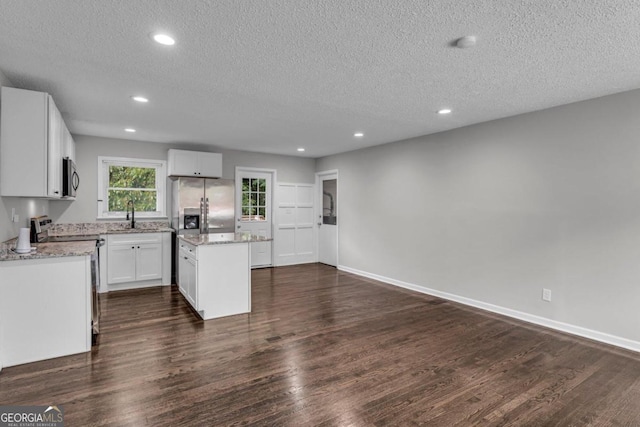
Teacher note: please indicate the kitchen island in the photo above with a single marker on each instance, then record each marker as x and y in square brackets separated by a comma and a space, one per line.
[45, 302]
[214, 272]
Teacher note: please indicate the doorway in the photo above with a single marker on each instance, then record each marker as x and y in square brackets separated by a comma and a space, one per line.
[254, 189]
[328, 218]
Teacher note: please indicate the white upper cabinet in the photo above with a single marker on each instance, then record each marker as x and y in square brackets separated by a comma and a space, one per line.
[32, 145]
[195, 164]
[68, 145]
[54, 154]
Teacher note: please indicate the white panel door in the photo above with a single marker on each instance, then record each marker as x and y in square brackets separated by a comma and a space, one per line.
[253, 210]
[327, 215]
[295, 229]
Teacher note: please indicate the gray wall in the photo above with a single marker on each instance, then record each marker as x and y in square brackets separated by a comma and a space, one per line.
[497, 211]
[88, 148]
[24, 208]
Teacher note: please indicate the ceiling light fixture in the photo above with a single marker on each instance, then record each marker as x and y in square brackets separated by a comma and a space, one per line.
[140, 99]
[164, 39]
[358, 134]
[301, 149]
[444, 111]
[130, 130]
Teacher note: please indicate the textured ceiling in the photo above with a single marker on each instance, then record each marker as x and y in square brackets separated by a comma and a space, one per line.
[274, 75]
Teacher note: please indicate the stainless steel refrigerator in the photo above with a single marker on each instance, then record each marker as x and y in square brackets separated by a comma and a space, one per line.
[203, 205]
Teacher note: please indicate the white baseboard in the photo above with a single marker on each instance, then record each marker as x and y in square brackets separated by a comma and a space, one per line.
[289, 263]
[530, 318]
[135, 285]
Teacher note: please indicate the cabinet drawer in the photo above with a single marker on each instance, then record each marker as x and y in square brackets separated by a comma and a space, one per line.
[133, 238]
[188, 248]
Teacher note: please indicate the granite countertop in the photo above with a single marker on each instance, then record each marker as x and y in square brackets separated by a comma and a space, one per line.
[118, 231]
[141, 230]
[117, 227]
[222, 238]
[51, 250]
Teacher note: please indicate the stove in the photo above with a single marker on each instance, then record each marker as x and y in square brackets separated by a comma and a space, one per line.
[40, 228]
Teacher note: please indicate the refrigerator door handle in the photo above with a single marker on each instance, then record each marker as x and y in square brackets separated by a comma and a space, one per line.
[203, 215]
[206, 209]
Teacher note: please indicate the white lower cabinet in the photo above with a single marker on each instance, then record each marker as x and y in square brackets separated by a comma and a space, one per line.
[137, 259]
[215, 279]
[187, 269]
[122, 264]
[148, 261]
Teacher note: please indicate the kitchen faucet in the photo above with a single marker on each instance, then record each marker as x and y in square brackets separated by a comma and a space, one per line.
[133, 213]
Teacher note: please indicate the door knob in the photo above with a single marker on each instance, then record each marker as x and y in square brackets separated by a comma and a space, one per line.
[319, 224]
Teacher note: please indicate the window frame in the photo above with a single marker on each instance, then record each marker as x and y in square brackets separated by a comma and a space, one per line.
[253, 217]
[103, 184]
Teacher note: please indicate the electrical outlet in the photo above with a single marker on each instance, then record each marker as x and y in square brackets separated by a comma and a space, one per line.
[16, 218]
[546, 294]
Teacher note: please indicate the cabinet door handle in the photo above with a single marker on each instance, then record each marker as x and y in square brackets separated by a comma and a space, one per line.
[133, 247]
[138, 247]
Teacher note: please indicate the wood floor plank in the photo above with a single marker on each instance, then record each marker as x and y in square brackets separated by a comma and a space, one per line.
[327, 348]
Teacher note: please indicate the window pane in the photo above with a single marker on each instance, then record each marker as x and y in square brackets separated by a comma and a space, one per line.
[261, 199]
[261, 214]
[329, 199]
[254, 184]
[246, 199]
[254, 199]
[246, 184]
[132, 177]
[143, 201]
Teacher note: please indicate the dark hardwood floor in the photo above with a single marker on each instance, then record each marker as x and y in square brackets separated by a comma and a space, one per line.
[326, 348]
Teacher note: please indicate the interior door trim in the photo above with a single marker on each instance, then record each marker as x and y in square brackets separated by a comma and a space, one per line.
[274, 183]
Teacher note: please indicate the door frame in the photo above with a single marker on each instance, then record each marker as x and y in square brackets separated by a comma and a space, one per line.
[318, 202]
[274, 180]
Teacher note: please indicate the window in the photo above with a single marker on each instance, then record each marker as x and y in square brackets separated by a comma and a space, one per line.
[123, 180]
[254, 199]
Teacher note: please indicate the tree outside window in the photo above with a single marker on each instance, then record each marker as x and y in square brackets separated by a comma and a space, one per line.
[141, 181]
[254, 199]
[137, 184]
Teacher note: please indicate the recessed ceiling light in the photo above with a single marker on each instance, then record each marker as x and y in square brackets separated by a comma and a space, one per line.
[164, 39]
[466, 42]
[300, 149]
[139, 99]
[444, 111]
[358, 134]
[131, 130]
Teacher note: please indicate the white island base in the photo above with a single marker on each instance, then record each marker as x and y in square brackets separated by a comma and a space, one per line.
[45, 308]
[214, 274]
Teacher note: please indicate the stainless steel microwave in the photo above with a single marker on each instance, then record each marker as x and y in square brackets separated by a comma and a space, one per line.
[70, 178]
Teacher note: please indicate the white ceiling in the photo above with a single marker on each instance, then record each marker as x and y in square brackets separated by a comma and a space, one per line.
[274, 75]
